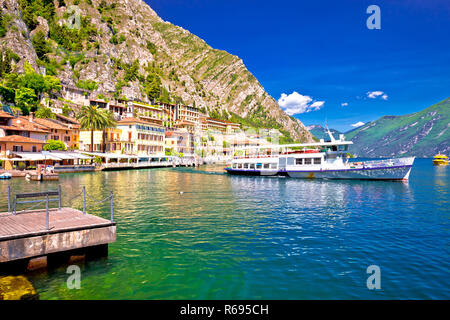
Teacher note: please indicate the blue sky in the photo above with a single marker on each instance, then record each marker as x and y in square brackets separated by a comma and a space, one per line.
[323, 51]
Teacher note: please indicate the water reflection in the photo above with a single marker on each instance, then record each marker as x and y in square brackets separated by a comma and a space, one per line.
[200, 234]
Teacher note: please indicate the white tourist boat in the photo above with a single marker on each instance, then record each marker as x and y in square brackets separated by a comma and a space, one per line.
[320, 160]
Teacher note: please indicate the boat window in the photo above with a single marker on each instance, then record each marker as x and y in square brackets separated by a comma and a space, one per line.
[273, 166]
[252, 166]
[317, 161]
[298, 161]
[290, 161]
[258, 165]
[234, 165]
[239, 165]
[245, 165]
[266, 165]
[307, 160]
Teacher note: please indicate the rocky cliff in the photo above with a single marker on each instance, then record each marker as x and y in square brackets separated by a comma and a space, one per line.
[122, 48]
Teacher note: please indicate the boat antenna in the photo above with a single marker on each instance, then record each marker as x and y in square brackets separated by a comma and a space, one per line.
[330, 134]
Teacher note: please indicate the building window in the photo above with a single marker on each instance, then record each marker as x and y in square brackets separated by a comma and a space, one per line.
[17, 148]
[34, 149]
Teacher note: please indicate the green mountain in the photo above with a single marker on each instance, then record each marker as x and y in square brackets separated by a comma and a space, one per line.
[320, 132]
[420, 134]
[122, 48]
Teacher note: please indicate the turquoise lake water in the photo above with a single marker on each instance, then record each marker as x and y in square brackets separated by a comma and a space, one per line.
[231, 237]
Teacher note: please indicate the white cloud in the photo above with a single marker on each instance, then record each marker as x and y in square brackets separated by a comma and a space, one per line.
[344, 104]
[358, 124]
[376, 94]
[296, 103]
[317, 105]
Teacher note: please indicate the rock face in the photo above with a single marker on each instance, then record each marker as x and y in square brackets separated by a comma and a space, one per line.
[420, 134]
[115, 36]
[17, 288]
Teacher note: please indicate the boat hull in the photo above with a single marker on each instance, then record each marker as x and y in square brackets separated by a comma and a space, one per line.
[258, 173]
[386, 173]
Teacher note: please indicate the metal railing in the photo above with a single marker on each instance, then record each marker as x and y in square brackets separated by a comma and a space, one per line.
[14, 201]
[387, 162]
[46, 194]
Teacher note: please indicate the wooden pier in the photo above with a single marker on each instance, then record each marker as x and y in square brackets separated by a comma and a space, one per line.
[25, 235]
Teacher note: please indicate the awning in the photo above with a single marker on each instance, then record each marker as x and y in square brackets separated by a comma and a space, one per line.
[82, 156]
[67, 155]
[35, 156]
[111, 155]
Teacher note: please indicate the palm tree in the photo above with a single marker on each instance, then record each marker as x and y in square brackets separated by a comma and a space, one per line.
[92, 118]
[109, 122]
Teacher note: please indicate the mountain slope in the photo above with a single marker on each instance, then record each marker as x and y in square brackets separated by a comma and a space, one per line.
[123, 48]
[421, 134]
[320, 132]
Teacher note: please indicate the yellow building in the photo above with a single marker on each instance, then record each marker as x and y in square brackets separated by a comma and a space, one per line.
[104, 141]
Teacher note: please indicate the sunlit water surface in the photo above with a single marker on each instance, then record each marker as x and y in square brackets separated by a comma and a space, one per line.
[230, 237]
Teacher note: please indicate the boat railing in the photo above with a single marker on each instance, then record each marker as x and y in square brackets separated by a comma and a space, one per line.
[384, 163]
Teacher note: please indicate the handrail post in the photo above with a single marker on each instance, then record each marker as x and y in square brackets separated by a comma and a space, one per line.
[9, 199]
[47, 213]
[112, 207]
[84, 200]
[59, 197]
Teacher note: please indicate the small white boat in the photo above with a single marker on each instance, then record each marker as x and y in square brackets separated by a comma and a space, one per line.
[321, 160]
[5, 176]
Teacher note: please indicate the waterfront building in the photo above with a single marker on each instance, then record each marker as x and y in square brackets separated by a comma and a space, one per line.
[65, 132]
[22, 126]
[141, 137]
[109, 140]
[12, 145]
[183, 141]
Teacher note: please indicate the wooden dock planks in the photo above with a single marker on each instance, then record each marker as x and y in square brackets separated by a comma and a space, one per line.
[24, 235]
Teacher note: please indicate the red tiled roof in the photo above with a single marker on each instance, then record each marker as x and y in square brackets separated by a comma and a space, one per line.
[51, 124]
[4, 114]
[131, 120]
[69, 119]
[23, 124]
[16, 138]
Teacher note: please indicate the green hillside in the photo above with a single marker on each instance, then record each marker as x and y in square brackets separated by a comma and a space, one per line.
[320, 132]
[420, 134]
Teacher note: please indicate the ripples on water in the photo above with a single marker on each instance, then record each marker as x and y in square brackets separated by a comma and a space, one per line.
[230, 237]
